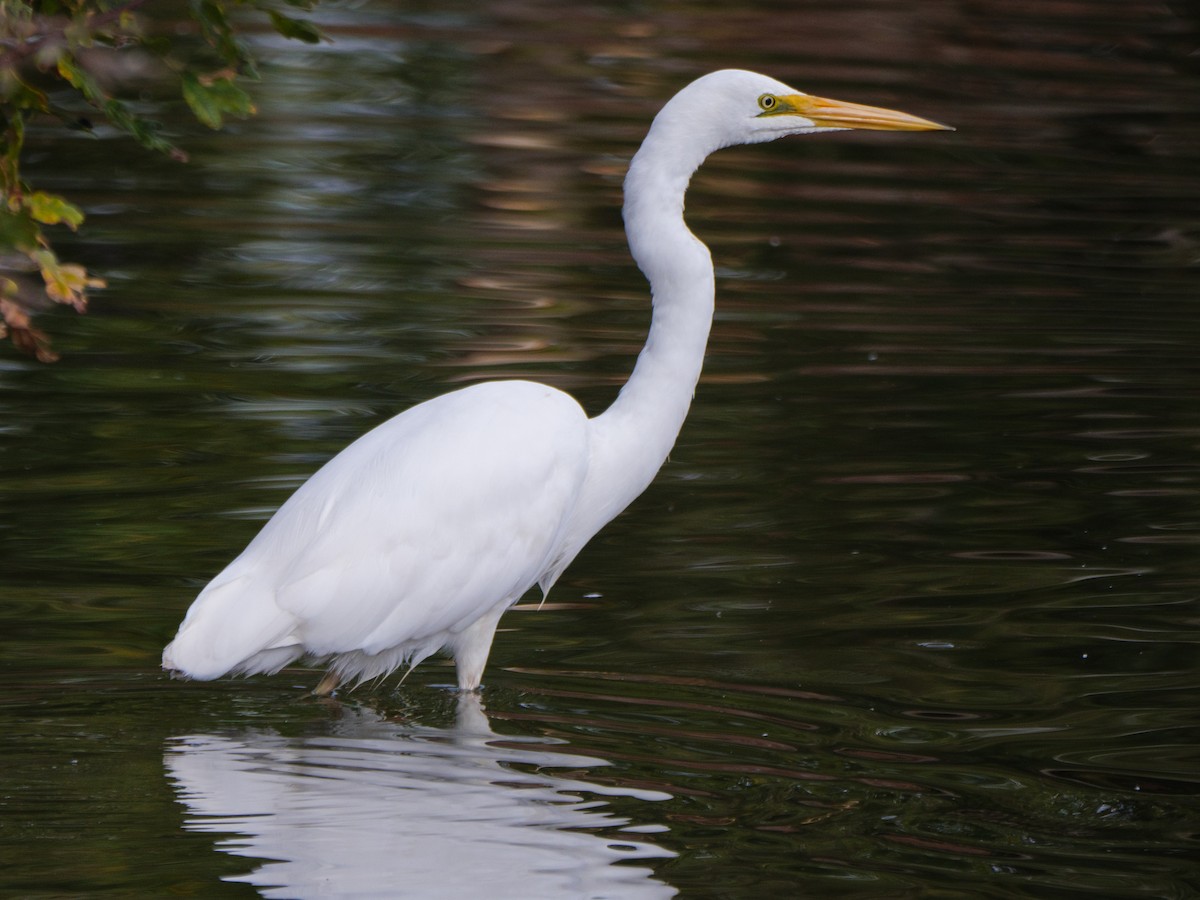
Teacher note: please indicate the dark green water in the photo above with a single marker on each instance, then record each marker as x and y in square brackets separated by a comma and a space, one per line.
[912, 611]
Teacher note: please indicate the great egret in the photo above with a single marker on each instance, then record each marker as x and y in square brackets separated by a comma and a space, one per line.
[421, 533]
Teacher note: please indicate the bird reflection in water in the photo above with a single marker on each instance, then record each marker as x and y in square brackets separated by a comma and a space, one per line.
[378, 808]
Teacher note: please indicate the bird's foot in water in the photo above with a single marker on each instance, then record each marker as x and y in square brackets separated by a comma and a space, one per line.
[328, 684]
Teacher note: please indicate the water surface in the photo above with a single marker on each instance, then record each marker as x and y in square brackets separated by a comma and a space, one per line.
[912, 610]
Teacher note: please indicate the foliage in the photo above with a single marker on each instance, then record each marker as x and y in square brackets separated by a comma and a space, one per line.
[59, 54]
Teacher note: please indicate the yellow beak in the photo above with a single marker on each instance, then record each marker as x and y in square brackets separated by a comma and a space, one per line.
[840, 114]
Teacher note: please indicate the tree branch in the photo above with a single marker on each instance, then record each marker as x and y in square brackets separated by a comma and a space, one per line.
[95, 21]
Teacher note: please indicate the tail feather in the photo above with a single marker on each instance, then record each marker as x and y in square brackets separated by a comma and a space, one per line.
[233, 628]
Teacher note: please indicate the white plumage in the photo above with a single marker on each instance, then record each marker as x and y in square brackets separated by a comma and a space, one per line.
[421, 533]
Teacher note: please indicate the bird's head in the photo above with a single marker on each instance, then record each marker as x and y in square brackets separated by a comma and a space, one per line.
[738, 107]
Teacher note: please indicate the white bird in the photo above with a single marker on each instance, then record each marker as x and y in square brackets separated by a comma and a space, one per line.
[420, 534]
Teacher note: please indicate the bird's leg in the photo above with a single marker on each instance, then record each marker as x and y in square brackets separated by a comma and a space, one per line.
[328, 683]
[472, 646]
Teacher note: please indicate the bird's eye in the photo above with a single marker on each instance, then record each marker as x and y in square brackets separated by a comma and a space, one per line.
[767, 102]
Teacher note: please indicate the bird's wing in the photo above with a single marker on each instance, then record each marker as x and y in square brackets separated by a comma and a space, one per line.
[427, 522]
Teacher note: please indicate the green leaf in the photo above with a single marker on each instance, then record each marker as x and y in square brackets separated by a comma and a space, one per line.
[297, 29]
[214, 100]
[142, 130]
[18, 231]
[51, 210]
[78, 78]
[117, 112]
[10, 159]
[217, 31]
[203, 106]
[231, 98]
[15, 92]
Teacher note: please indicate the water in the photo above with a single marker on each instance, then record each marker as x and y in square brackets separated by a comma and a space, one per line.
[912, 611]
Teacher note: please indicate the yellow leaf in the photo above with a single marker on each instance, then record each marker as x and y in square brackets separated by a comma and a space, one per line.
[65, 282]
[51, 210]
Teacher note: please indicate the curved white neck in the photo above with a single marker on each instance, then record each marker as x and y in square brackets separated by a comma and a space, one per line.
[636, 433]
